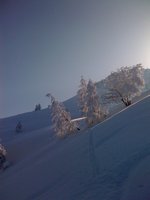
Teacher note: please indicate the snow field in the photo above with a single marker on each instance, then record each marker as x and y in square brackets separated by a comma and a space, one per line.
[108, 162]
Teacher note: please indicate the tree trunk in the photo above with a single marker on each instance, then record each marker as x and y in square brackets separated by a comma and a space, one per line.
[126, 101]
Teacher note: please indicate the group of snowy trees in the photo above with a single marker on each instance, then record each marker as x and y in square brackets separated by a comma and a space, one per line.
[122, 85]
[89, 106]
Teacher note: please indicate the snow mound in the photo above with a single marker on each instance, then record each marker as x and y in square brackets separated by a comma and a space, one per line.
[108, 162]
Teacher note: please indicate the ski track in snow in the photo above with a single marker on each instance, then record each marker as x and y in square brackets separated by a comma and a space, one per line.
[112, 181]
[92, 155]
[106, 138]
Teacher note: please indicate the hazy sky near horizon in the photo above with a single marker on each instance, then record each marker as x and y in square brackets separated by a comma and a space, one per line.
[46, 45]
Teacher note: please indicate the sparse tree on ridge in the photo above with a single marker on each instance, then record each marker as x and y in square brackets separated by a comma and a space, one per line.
[38, 107]
[82, 96]
[61, 119]
[124, 84]
[95, 113]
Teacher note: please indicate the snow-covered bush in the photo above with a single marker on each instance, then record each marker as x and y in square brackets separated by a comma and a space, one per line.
[2, 150]
[124, 84]
[19, 127]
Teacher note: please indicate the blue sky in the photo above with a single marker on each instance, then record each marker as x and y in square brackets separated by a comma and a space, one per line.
[46, 45]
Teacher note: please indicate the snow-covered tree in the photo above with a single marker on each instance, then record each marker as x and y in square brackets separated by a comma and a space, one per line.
[95, 113]
[124, 84]
[61, 119]
[82, 96]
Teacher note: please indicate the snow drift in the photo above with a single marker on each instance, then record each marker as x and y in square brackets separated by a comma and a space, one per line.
[110, 161]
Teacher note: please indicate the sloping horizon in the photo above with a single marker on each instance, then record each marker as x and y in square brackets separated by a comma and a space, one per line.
[46, 45]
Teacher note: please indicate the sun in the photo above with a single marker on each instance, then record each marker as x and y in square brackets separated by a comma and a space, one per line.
[146, 62]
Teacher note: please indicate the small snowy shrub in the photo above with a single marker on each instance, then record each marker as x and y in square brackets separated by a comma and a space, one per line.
[2, 150]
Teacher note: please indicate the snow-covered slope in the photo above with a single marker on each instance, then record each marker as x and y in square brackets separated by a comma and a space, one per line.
[110, 161]
[30, 121]
[33, 121]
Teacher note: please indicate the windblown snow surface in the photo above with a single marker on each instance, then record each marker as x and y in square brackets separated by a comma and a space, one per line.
[110, 161]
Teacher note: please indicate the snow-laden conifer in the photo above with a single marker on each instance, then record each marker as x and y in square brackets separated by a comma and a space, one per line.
[95, 113]
[82, 96]
[61, 119]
